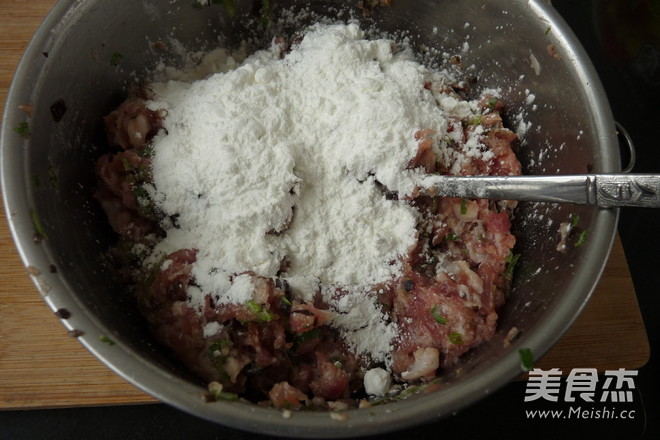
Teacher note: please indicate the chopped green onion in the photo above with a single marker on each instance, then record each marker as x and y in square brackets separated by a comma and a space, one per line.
[115, 59]
[147, 151]
[477, 120]
[38, 226]
[266, 316]
[230, 7]
[435, 312]
[407, 392]
[262, 314]
[265, 12]
[23, 130]
[52, 177]
[456, 338]
[219, 345]
[219, 363]
[582, 238]
[510, 261]
[140, 193]
[142, 173]
[224, 395]
[575, 218]
[526, 359]
[253, 306]
[463, 206]
[285, 300]
[308, 335]
[126, 164]
[492, 102]
[154, 270]
[547, 31]
[452, 237]
[228, 4]
[106, 340]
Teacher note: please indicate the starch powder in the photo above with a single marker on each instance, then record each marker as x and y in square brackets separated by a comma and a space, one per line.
[285, 159]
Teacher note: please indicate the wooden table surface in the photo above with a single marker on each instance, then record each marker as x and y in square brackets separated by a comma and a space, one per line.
[41, 367]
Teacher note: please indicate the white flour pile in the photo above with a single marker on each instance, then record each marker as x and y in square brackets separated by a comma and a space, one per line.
[279, 159]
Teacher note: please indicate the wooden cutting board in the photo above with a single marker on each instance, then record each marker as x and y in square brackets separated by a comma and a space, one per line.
[41, 367]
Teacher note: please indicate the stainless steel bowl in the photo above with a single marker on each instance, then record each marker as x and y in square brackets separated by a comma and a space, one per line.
[87, 54]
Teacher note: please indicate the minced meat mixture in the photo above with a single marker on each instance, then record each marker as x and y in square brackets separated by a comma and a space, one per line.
[281, 348]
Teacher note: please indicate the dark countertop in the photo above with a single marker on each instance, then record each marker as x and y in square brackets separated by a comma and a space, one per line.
[623, 40]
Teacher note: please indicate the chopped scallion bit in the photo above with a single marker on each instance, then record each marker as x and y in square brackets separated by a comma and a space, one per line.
[452, 237]
[228, 4]
[526, 359]
[23, 130]
[492, 102]
[230, 7]
[225, 395]
[307, 336]
[115, 59]
[575, 218]
[142, 173]
[463, 206]
[510, 261]
[126, 164]
[106, 340]
[253, 306]
[52, 177]
[262, 314]
[154, 270]
[477, 120]
[147, 151]
[216, 390]
[582, 238]
[266, 316]
[435, 312]
[38, 226]
[456, 338]
[219, 345]
[265, 13]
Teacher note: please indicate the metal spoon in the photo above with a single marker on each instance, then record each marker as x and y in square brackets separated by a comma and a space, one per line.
[605, 190]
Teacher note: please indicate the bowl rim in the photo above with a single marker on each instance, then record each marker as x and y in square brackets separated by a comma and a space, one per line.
[177, 392]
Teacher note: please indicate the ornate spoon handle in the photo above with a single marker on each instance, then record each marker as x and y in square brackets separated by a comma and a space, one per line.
[606, 190]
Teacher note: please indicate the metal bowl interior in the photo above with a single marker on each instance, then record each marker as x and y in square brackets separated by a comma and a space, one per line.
[86, 56]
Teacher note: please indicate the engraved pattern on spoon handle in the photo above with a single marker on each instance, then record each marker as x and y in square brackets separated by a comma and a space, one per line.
[605, 190]
[613, 190]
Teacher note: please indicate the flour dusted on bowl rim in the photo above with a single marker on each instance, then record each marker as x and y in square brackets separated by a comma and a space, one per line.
[275, 208]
